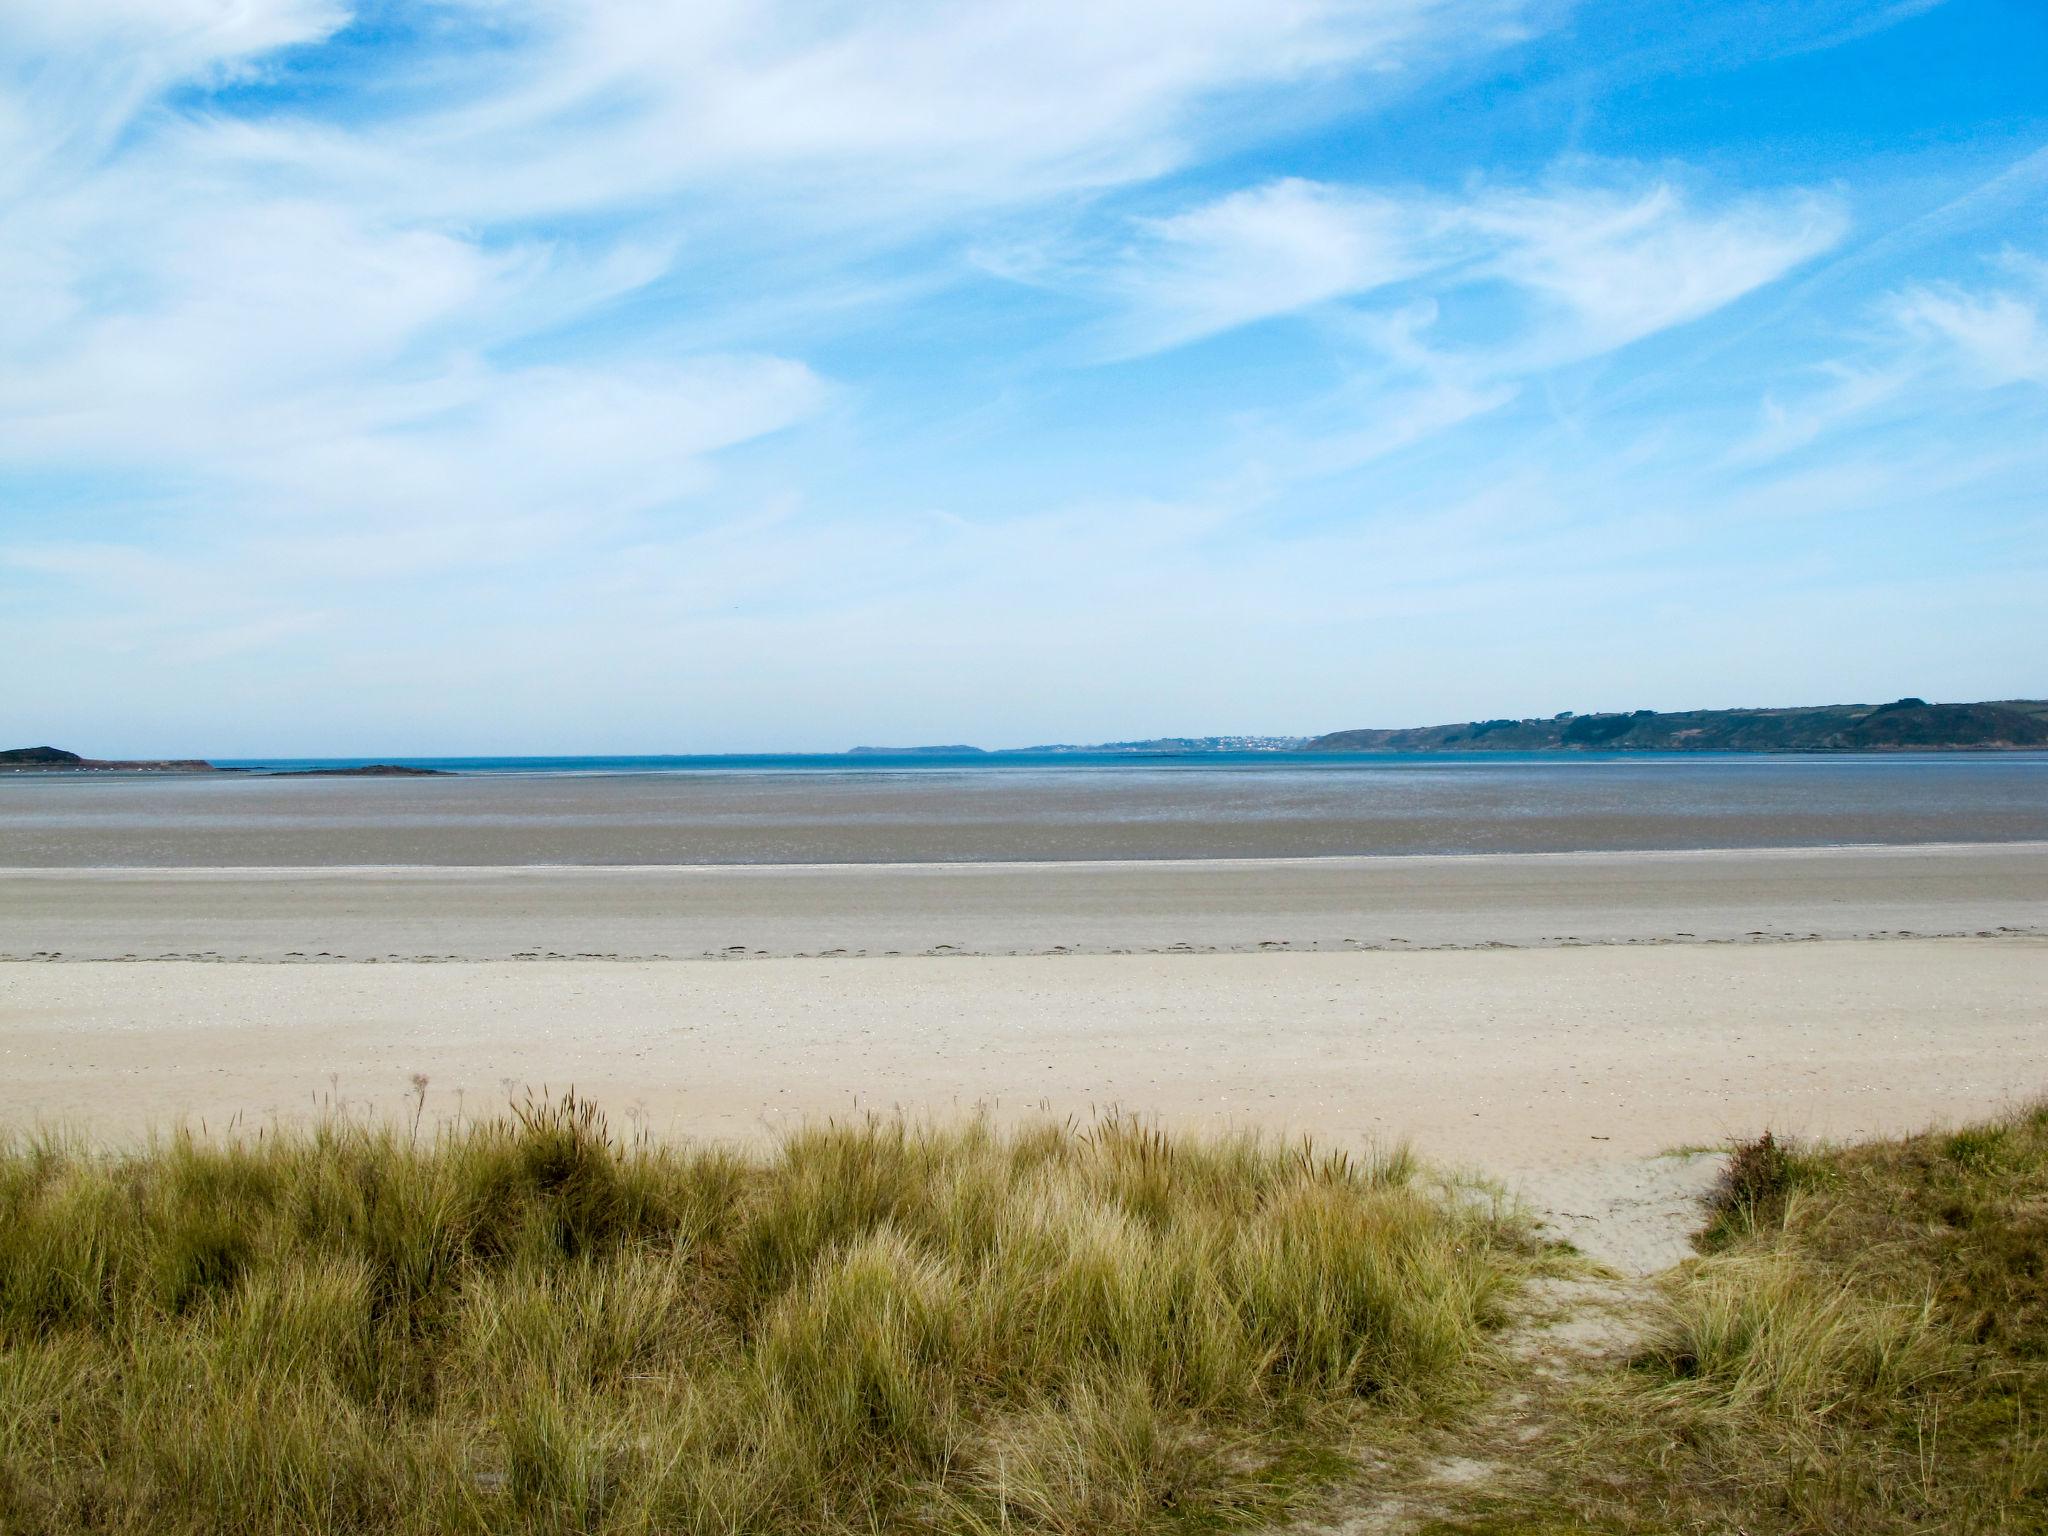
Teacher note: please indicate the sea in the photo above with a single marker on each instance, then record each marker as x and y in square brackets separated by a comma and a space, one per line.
[860, 808]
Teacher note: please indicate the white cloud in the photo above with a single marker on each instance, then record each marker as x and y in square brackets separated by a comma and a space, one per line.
[1622, 267]
[1849, 393]
[1269, 250]
[287, 360]
[276, 315]
[1596, 269]
[1375, 422]
[326, 350]
[886, 112]
[1935, 339]
[180, 34]
[1997, 337]
[186, 320]
[1455, 301]
[304, 374]
[75, 73]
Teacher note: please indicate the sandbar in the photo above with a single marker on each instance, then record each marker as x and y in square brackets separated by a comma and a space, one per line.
[1066, 907]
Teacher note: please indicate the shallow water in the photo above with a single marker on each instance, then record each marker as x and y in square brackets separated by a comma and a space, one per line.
[840, 810]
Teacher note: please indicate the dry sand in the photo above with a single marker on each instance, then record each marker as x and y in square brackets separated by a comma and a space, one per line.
[1559, 1069]
[1512, 1058]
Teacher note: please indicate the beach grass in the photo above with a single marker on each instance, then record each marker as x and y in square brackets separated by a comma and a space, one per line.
[533, 1325]
[1862, 1347]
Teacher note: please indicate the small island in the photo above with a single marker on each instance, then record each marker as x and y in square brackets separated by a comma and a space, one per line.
[57, 760]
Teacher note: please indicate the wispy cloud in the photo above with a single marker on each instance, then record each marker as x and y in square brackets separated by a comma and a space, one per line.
[360, 304]
[1996, 335]
[1443, 305]
[1269, 250]
[885, 110]
[1617, 267]
[1596, 268]
[1844, 393]
[1932, 342]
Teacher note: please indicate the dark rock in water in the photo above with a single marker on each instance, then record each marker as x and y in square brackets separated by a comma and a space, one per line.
[365, 771]
[956, 750]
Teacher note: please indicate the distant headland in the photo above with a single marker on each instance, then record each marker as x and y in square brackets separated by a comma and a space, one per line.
[1904, 725]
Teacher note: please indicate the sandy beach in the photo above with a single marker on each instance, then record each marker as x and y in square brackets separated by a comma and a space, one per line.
[1509, 1059]
[1557, 1020]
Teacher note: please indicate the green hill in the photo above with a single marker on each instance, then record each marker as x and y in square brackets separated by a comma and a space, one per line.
[1905, 725]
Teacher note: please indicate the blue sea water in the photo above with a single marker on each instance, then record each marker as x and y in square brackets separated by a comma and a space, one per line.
[1014, 761]
[746, 762]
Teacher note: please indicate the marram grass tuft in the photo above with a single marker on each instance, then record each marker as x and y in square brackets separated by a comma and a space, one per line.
[527, 1325]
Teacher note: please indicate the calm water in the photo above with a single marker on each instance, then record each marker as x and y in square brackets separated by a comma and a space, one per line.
[798, 809]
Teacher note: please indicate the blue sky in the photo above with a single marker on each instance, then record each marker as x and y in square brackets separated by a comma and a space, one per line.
[587, 375]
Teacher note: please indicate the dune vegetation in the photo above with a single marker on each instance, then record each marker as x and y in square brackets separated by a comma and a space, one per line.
[1862, 1347]
[531, 1325]
[1865, 1348]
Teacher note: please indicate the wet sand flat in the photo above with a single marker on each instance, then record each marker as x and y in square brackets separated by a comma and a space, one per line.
[1287, 806]
[691, 912]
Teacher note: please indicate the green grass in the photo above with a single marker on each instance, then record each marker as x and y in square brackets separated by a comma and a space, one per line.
[527, 1326]
[1862, 1348]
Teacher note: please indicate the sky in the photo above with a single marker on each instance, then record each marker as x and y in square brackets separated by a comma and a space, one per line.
[524, 376]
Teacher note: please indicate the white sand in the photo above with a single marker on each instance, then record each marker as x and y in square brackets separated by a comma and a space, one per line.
[1560, 1069]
